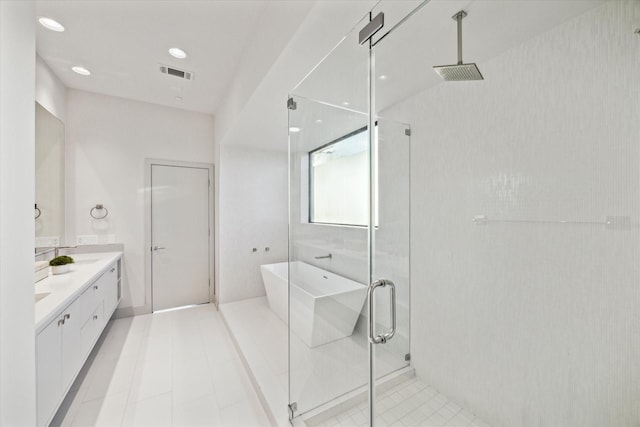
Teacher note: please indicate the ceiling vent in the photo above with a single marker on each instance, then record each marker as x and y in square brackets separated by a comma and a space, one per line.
[187, 75]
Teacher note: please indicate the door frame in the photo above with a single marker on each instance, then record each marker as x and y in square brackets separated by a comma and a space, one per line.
[148, 280]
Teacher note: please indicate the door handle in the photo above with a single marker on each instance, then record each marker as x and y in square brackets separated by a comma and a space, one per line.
[381, 338]
[157, 248]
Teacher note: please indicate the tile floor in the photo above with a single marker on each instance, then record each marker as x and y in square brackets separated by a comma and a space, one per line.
[329, 370]
[319, 374]
[177, 368]
[411, 403]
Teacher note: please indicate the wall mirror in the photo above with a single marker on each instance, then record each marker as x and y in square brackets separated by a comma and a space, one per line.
[49, 179]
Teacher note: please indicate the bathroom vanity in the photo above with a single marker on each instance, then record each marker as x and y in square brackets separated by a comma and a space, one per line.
[71, 311]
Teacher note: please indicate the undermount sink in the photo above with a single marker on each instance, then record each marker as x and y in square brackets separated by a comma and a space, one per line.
[39, 296]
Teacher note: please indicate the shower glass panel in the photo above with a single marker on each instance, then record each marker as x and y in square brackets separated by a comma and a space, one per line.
[328, 223]
[390, 250]
[525, 207]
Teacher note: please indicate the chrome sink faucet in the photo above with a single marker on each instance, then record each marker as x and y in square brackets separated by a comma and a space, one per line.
[56, 249]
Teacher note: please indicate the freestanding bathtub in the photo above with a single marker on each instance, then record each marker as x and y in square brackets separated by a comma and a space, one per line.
[324, 306]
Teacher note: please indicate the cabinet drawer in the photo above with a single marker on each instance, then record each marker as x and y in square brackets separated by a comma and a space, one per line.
[90, 299]
[91, 329]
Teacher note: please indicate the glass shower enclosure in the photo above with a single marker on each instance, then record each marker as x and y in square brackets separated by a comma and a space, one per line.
[464, 246]
[349, 227]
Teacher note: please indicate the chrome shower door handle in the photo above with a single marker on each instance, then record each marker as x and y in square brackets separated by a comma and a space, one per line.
[381, 338]
[158, 248]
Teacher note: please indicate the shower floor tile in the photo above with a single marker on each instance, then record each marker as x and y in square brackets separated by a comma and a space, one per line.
[411, 403]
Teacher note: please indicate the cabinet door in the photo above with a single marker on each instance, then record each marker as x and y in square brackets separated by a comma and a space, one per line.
[110, 291]
[72, 356]
[48, 370]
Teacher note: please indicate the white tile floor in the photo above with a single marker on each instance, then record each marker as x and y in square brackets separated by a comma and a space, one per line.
[328, 371]
[411, 403]
[177, 368]
[319, 374]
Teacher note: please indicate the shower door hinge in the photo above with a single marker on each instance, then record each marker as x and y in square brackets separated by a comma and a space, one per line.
[407, 132]
[291, 104]
[407, 357]
[371, 28]
[293, 407]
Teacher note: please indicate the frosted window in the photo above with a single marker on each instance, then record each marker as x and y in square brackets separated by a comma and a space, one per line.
[339, 176]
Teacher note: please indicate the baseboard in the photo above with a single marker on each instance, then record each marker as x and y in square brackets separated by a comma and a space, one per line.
[122, 312]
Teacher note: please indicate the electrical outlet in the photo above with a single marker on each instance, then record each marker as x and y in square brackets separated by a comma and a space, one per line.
[47, 241]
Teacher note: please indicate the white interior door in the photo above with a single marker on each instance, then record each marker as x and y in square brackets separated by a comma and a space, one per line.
[179, 236]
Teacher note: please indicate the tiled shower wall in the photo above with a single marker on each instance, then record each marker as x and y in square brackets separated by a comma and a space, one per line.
[533, 322]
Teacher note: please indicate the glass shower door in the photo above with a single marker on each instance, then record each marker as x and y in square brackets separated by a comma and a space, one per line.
[348, 238]
[328, 223]
[389, 291]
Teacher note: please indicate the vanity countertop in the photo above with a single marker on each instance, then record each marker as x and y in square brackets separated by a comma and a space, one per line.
[57, 291]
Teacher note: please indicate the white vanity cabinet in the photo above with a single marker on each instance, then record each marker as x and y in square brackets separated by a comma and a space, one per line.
[63, 345]
[58, 360]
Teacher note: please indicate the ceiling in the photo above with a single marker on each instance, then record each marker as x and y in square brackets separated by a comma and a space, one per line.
[405, 57]
[123, 43]
[278, 42]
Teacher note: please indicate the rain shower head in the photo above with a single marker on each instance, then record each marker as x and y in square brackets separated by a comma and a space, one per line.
[459, 72]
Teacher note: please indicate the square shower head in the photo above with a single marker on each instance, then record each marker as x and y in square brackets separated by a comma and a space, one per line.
[458, 72]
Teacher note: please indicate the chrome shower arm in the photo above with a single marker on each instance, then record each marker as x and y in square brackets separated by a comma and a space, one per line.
[458, 18]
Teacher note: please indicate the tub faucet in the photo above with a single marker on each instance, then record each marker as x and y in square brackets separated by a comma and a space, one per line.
[323, 257]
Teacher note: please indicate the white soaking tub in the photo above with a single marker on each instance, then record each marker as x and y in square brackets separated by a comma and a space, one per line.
[325, 306]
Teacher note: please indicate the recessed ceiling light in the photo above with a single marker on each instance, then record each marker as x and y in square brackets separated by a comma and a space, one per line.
[81, 70]
[319, 121]
[51, 24]
[383, 77]
[346, 103]
[294, 129]
[178, 98]
[176, 52]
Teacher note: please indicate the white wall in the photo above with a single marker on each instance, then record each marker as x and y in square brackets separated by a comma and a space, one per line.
[50, 92]
[109, 139]
[252, 214]
[17, 129]
[254, 115]
[258, 58]
[532, 324]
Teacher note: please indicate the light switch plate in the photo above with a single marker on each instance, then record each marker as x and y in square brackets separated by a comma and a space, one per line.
[106, 239]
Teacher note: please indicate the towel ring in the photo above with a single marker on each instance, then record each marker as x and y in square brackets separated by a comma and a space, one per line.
[99, 208]
[38, 211]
